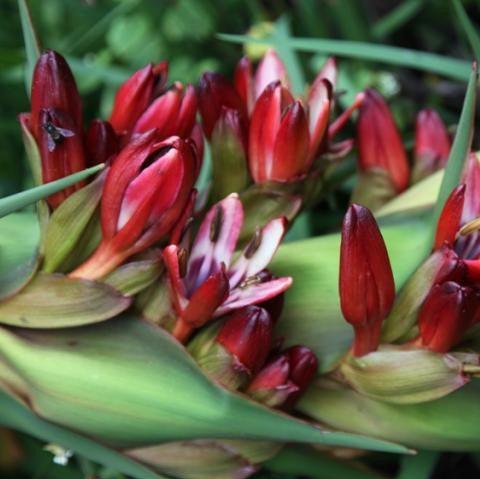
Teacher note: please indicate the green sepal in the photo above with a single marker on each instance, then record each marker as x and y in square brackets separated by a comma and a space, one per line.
[262, 203]
[68, 222]
[405, 376]
[154, 304]
[373, 189]
[56, 301]
[403, 316]
[135, 276]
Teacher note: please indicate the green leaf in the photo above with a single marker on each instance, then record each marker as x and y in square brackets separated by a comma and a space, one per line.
[15, 415]
[32, 47]
[429, 62]
[303, 461]
[68, 222]
[469, 29]
[128, 384]
[281, 42]
[56, 301]
[19, 235]
[419, 466]
[450, 423]
[18, 201]
[312, 310]
[396, 18]
[459, 152]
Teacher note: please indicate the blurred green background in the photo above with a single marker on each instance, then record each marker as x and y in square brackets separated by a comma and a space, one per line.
[106, 40]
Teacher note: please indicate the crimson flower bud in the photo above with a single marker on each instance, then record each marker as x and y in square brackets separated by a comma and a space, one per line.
[135, 95]
[367, 288]
[279, 138]
[284, 379]
[243, 82]
[172, 113]
[54, 87]
[214, 93]
[446, 314]
[146, 191]
[101, 142]
[61, 150]
[449, 221]
[247, 334]
[432, 144]
[380, 146]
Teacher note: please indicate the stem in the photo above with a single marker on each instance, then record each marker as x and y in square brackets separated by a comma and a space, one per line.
[103, 261]
[182, 330]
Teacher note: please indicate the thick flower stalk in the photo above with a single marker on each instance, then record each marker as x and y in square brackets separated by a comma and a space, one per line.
[366, 284]
[146, 191]
[205, 282]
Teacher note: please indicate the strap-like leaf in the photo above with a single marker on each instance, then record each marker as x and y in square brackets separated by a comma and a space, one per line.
[430, 62]
[18, 201]
[469, 29]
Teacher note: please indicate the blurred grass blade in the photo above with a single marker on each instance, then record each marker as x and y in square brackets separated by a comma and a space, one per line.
[16, 416]
[396, 18]
[469, 29]
[420, 466]
[32, 46]
[18, 201]
[459, 152]
[281, 41]
[430, 62]
[306, 462]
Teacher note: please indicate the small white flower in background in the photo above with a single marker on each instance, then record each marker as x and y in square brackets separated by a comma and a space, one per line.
[61, 456]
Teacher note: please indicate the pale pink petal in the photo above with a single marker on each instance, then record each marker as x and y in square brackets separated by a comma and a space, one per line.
[269, 70]
[259, 252]
[319, 102]
[253, 293]
[471, 178]
[328, 72]
[215, 241]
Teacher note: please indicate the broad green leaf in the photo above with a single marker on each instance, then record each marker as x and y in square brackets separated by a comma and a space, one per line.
[32, 47]
[303, 461]
[419, 466]
[68, 222]
[15, 415]
[396, 18]
[468, 27]
[18, 201]
[281, 41]
[421, 196]
[459, 152]
[450, 423]
[430, 62]
[56, 301]
[312, 310]
[19, 236]
[128, 384]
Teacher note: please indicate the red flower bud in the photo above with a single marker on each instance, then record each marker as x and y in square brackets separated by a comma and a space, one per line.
[380, 146]
[446, 314]
[134, 96]
[471, 178]
[432, 143]
[247, 334]
[243, 81]
[214, 93]
[279, 140]
[284, 379]
[449, 221]
[367, 288]
[101, 142]
[54, 87]
[61, 149]
[172, 113]
[146, 191]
